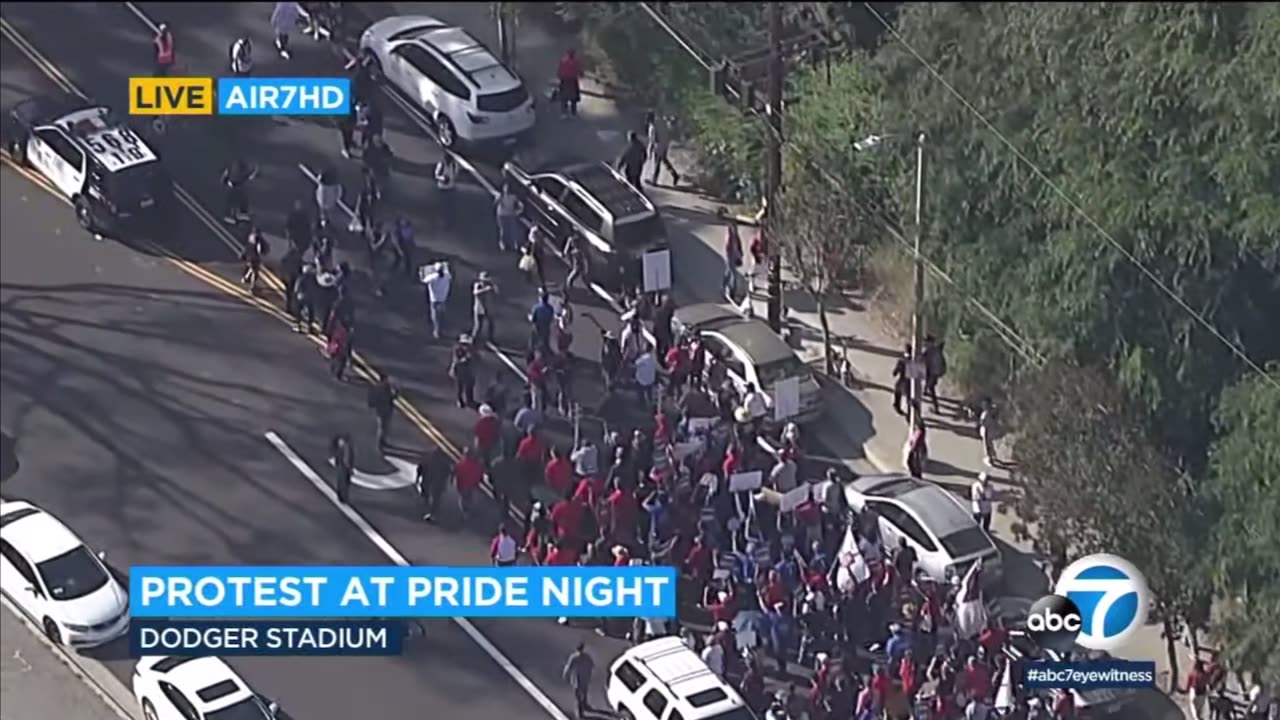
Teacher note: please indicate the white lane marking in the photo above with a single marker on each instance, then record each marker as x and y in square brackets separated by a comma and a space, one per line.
[403, 474]
[395, 557]
[137, 12]
[74, 665]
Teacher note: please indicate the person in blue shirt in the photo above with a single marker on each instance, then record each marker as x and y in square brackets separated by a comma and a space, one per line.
[541, 317]
[898, 644]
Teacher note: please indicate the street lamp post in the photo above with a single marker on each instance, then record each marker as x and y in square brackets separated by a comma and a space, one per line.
[916, 368]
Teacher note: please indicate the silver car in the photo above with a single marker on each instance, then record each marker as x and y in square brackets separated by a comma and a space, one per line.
[946, 538]
[753, 353]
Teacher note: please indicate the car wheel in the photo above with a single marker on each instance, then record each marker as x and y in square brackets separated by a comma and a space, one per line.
[18, 151]
[448, 135]
[84, 213]
[149, 710]
[51, 631]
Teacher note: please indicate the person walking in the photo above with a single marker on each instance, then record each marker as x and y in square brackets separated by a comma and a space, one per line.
[328, 195]
[982, 498]
[568, 77]
[901, 379]
[303, 292]
[732, 254]
[541, 316]
[382, 401]
[658, 143]
[347, 129]
[503, 549]
[366, 202]
[631, 162]
[987, 432]
[284, 19]
[462, 370]
[507, 208]
[235, 178]
[297, 228]
[242, 57]
[255, 249]
[165, 57]
[483, 294]
[432, 477]
[339, 350]
[446, 176]
[376, 156]
[468, 473]
[382, 256]
[405, 247]
[343, 458]
[577, 672]
[437, 280]
[935, 367]
[576, 259]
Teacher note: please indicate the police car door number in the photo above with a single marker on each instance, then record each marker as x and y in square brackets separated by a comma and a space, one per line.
[121, 146]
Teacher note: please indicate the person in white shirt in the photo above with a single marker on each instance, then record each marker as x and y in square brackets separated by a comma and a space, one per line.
[241, 57]
[982, 498]
[1261, 705]
[328, 195]
[586, 459]
[284, 18]
[503, 549]
[713, 656]
[437, 278]
[646, 375]
[446, 177]
[507, 208]
[632, 341]
[756, 403]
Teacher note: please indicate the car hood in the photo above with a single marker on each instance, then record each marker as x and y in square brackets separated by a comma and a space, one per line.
[377, 33]
[102, 605]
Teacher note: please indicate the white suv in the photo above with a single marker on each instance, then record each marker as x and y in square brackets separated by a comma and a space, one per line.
[187, 688]
[447, 74]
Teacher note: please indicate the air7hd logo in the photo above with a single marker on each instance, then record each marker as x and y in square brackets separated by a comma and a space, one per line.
[1099, 602]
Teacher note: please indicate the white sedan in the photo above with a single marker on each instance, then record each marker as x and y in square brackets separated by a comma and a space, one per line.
[62, 586]
[466, 92]
[196, 688]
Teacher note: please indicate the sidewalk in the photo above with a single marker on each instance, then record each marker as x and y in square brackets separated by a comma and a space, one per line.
[862, 428]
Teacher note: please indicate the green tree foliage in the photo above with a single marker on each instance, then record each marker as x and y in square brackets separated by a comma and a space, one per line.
[1244, 483]
[1091, 481]
[1162, 122]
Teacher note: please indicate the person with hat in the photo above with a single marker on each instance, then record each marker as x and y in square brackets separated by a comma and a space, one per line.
[437, 278]
[483, 294]
[462, 371]
[163, 44]
[487, 432]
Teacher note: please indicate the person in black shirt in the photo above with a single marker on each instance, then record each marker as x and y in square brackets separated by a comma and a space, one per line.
[377, 158]
[610, 358]
[343, 457]
[382, 401]
[236, 179]
[631, 163]
[366, 203]
[463, 372]
[255, 249]
[662, 330]
[297, 227]
[901, 382]
[433, 477]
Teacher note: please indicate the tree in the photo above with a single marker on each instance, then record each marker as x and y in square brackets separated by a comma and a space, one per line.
[1159, 122]
[1091, 482]
[1244, 485]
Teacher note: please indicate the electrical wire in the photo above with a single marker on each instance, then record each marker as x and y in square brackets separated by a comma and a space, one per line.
[1020, 345]
[1075, 207]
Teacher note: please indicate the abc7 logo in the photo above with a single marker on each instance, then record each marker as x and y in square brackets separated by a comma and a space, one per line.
[1054, 622]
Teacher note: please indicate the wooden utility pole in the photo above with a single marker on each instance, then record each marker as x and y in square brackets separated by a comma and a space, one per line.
[773, 160]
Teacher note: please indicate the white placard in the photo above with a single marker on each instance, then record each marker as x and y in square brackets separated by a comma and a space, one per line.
[793, 499]
[786, 398]
[699, 426]
[741, 482]
[684, 450]
[657, 270]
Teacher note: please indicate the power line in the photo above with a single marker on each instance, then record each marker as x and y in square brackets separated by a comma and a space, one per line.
[1011, 338]
[1151, 275]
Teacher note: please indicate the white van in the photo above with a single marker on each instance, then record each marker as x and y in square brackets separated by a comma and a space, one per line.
[664, 680]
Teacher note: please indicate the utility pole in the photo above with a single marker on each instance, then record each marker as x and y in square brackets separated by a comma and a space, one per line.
[506, 38]
[773, 158]
[917, 314]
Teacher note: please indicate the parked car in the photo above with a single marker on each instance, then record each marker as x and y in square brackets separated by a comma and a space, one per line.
[187, 688]
[460, 86]
[111, 175]
[946, 538]
[58, 582]
[753, 353]
[613, 224]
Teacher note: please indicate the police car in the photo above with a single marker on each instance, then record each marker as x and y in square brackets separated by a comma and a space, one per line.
[93, 157]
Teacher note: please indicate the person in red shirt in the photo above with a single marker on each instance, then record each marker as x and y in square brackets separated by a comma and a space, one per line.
[677, 363]
[774, 592]
[662, 432]
[723, 607]
[559, 473]
[468, 473]
[561, 555]
[975, 679]
[881, 686]
[732, 461]
[992, 637]
[622, 513]
[697, 564]
[487, 431]
[568, 73]
[1064, 706]
[530, 453]
[537, 374]
[621, 556]
[590, 491]
[909, 675]
[568, 517]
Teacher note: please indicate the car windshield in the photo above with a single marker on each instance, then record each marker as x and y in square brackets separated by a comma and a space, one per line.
[248, 709]
[503, 101]
[639, 233]
[72, 574]
[780, 370]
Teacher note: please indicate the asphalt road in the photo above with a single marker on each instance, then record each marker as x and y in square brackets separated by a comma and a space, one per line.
[38, 684]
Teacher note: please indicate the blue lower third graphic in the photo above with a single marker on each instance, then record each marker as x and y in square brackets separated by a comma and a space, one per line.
[284, 96]
[1089, 675]
[392, 592]
[198, 638]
